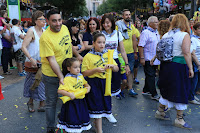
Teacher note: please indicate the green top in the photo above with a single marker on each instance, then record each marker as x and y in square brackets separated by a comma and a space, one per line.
[179, 59]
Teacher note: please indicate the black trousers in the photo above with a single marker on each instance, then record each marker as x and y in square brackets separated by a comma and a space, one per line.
[150, 74]
[6, 58]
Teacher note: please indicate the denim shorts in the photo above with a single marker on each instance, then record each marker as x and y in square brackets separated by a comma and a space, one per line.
[137, 62]
[20, 56]
[131, 61]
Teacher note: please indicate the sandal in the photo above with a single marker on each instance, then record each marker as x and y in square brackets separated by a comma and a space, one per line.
[41, 109]
[160, 114]
[177, 124]
[30, 107]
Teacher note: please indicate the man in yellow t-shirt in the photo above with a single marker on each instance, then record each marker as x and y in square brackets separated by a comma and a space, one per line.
[130, 33]
[55, 46]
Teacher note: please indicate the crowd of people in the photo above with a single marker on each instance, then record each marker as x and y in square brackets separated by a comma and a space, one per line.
[71, 56]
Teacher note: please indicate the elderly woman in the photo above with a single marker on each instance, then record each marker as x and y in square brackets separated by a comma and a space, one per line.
[174, 82]
[30, 47]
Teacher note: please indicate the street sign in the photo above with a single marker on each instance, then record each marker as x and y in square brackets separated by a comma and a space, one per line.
[14, 9]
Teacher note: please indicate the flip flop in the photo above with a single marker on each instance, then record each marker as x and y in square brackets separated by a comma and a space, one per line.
[30, 107]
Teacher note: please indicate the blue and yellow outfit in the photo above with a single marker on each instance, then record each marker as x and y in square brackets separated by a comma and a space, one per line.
[74, 116]
[99, 105]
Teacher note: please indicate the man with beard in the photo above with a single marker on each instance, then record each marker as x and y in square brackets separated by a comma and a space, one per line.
[130, 33]
[55, 47]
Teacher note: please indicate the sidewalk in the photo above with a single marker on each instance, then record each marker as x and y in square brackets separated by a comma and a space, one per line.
[10, 79]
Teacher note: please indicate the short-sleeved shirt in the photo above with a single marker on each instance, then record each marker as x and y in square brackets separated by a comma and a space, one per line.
[56, 44]
[16, 32]
[128, 43]
[112, 42]
[91, 61]
[71, 84]
[196, 46]
[5, 42]
[88, 37]
[149, 40]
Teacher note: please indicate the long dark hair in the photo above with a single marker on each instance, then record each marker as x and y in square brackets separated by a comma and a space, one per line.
[71, 23]
[67, 63]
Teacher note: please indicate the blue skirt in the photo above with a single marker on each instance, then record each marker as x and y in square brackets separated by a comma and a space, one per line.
[98, 105]
[74, 116]
[116, 80]
[174, 82]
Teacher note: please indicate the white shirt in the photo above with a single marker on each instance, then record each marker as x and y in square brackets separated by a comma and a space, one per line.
[17, 32]
[112, 42]
[149, 39]
[33, 47]
[195, 45]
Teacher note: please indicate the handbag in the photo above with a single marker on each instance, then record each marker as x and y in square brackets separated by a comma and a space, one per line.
[30, 68]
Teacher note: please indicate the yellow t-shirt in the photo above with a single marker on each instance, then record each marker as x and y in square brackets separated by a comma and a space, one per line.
[91, 61]
[128, 44]
[55, 44]
[72, 85]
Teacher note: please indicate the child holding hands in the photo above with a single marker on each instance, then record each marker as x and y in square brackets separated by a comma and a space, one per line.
[74, 116]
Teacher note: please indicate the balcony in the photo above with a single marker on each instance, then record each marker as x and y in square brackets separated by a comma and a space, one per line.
[96, 1]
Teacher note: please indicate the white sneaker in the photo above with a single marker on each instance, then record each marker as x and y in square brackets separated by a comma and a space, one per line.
[1, 77]
[196, 98]
[194, 102]
[111, 119]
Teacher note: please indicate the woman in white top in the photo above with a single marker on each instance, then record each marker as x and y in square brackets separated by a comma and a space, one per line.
[114, 39]
[174, 82]
[30, 47]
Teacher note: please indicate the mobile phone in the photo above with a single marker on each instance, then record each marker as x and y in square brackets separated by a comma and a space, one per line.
[39, 64]
[4, 27]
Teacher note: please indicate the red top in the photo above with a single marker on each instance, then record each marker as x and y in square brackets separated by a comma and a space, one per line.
[1, 23]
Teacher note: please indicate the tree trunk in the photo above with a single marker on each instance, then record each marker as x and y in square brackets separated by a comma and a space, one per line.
[192, 8]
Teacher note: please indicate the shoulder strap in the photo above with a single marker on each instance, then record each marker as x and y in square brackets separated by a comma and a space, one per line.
[118, 36]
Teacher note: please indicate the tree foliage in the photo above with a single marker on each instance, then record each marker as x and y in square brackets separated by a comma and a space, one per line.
[68, 7]
[119, 5]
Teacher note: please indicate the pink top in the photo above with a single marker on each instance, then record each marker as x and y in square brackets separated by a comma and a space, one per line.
[1, 23]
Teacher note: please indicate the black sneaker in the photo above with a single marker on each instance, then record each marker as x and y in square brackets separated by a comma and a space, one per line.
[50, 131]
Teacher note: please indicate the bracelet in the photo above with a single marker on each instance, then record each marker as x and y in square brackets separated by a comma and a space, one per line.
[29, 58]
[126, 64]
[141, 57]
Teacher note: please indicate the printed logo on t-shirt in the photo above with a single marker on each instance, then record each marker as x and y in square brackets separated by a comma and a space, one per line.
[100, 62]
[111, 45]
[64, 40]
[78, 85]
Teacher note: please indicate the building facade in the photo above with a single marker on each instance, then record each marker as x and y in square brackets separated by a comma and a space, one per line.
[92, 6]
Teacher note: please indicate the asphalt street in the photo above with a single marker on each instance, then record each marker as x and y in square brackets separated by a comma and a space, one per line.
[134, 114]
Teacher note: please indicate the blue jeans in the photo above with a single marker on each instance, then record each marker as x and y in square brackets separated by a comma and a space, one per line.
[51, 88]
[194, 85]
